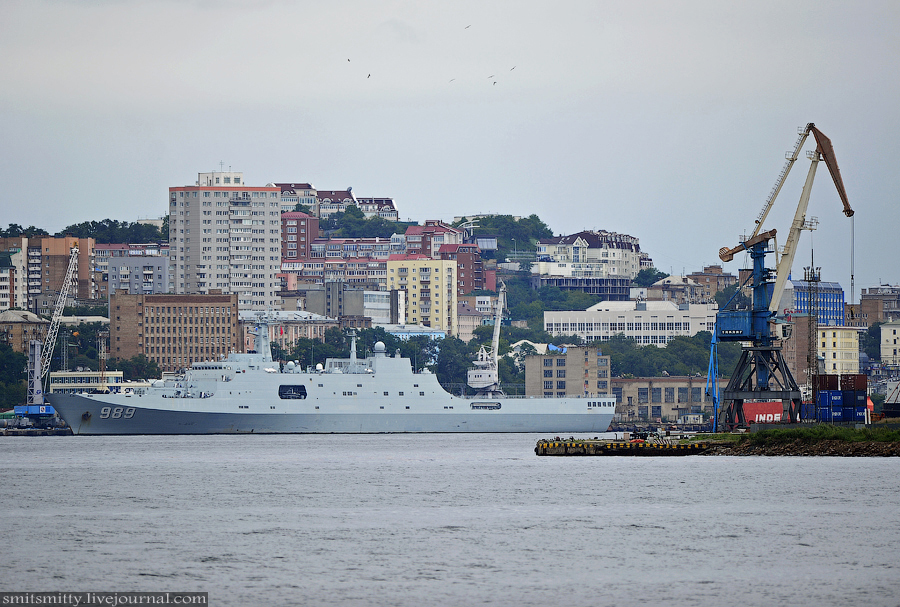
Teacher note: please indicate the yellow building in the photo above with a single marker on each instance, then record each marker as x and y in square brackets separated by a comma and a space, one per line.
[839, 346]
[430, 290]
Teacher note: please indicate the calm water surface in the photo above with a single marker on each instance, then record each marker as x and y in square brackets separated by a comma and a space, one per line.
[443, 520]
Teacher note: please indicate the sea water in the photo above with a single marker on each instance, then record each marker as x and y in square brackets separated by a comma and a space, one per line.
[443, 520]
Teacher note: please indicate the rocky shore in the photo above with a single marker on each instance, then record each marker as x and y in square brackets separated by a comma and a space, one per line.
[833, 448]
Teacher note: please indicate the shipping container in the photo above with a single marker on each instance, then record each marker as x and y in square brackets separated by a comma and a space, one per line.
[861, 413]
[854, 381]
[808, 412]
[763, 413]
[826, 382]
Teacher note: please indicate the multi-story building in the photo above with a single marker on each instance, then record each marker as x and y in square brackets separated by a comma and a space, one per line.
[469, 267]
[47, 260]
[796, 298]
[591, 254]
[679, 289]
[890, 344]
[18, 327]
[429, 238]
[467, 320]
[329, 202]
[647, 322]
[839, 347]
[661, 399]
[712, 280]
[293, 194]
[378, 207]
[570, 371]
[13, 279]
[298, 231]
[430, 286]
[174, 330]
[226, 235]
[879, 304]
[285, 328]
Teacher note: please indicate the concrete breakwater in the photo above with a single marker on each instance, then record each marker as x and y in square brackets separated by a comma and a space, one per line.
[617, 448]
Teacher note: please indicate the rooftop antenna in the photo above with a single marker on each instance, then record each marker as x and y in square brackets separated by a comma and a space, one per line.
[221, 166]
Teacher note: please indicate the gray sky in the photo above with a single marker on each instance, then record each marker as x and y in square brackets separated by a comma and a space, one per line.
[664, 120]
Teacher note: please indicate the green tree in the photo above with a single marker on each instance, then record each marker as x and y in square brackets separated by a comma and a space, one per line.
[870, 341]
[647, 277]
[12, 377]
[136, 368]
[454, 359]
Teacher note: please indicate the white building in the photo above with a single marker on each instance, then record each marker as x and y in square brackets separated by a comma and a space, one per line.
[226, 235]
[647, 322]
[590, 254]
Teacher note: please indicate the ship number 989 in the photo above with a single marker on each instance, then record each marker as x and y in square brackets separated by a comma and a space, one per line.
[116, 413]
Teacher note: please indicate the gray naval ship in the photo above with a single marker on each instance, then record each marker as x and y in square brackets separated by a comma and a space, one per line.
[251, 393]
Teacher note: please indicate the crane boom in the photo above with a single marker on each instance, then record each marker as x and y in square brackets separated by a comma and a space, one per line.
[50, 340]
[782, 177]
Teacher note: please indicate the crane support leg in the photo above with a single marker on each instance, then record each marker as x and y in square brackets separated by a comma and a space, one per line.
[755, 363]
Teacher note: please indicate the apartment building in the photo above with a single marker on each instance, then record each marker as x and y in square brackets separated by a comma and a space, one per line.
[647, 322]
[890, 346]
[469, 267]
[591, 254]
[174, 330]
[226, 235]
[569, 371]
[298, 231]
[378, 207]
[712, 280]
[430, 287]
[428, 239]
[839, 347]
[18, 327]
[293, 194]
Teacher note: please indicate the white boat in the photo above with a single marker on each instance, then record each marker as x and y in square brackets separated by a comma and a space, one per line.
[251, 393]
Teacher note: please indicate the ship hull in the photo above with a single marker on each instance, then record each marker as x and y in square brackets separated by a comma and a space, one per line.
[88, 414]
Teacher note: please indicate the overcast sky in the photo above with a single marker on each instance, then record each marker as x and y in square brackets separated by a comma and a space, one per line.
[664, 120]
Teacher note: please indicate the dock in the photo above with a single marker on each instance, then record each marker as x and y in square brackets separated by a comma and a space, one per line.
[620, 448]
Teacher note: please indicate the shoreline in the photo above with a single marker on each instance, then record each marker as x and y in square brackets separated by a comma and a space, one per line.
[801, 448]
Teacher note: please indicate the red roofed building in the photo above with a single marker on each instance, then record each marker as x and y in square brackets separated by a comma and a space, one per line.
[428, 239]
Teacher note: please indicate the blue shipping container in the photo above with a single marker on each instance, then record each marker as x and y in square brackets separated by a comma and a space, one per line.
[861, 413]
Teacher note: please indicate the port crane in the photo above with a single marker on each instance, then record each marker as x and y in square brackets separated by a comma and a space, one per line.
[485, 377]
[761, 372]
[39, 356]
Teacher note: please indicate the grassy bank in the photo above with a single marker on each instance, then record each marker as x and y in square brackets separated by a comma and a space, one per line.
[820, 433]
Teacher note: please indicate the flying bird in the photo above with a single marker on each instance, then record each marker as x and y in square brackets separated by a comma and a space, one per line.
[369, 76]
[491, 76]
[512, 68]
[468, 26]
[452, 79]
[495, 82]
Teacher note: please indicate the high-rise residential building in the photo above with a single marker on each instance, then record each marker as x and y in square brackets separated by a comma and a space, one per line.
[430, 286]
[469, 267]
[226, 235]
[298, 231]
[173, 330]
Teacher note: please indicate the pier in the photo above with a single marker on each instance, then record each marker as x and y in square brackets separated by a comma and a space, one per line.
[620, 448]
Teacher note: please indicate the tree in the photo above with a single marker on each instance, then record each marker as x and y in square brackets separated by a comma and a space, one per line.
[137, 368]
[12, 377]
[647, 276]
[870, 341]
[453, 363]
